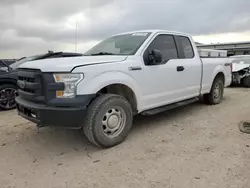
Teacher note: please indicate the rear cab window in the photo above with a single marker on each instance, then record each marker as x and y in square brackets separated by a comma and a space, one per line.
[185, 48]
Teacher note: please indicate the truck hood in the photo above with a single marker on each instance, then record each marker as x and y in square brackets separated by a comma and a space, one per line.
[237, 67]
[66, 64]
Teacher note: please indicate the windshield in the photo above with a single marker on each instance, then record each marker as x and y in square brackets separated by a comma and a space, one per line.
[126, 44]
[21, 61]
[241, 60]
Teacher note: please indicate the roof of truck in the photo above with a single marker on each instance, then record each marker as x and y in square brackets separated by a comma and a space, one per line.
[154, 31]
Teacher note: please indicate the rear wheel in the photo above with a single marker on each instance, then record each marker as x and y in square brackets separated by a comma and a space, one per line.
[8, 93]
[216, 94]
[246, 81]
[109, 119]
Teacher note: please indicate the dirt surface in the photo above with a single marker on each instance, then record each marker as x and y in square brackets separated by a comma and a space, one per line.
[195, 146]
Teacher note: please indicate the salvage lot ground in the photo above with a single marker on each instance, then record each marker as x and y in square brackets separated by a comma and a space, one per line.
[192, 146]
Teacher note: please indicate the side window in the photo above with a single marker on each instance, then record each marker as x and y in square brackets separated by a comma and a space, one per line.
[166, 45]
[185, 47]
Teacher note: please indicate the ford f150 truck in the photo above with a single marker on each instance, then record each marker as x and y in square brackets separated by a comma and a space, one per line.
[143, 72]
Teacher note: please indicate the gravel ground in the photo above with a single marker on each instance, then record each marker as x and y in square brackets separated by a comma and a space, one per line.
[195, 146]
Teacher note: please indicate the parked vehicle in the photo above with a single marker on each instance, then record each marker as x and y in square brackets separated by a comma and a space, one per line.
[8, 88]
[7, 62]
[144, 72]
[8, 77]
[241, 70]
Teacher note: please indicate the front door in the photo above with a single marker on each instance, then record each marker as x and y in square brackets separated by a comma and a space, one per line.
[161, 83]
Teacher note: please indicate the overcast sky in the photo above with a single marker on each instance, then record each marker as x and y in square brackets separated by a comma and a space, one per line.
[35, 26]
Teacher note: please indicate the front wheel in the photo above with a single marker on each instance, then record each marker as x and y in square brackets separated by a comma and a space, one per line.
[8, 92]
[109, 119]
[216, 94]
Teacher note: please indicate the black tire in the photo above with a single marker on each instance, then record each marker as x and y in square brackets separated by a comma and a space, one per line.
[95, 122]
[246, 81]
[216, 94]
[8, 102]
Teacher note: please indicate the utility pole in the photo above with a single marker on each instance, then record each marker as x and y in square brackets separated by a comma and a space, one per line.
[76, 37]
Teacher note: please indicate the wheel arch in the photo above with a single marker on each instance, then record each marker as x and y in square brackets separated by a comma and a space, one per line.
[123, 90]
[112, 82]
[220, 75]
[219, 72]
[8, 81]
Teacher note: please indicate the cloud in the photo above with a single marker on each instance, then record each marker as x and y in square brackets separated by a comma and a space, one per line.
[36, 25]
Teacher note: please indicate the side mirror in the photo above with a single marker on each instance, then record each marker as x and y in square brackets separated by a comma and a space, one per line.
[155, 56]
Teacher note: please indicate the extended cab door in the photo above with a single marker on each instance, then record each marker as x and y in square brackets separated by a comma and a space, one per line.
[191, 66]
[161, 83]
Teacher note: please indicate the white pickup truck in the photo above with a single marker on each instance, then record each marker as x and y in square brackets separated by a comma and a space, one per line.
[143, 72]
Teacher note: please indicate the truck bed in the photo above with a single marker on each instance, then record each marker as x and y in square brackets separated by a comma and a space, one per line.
[209, 64]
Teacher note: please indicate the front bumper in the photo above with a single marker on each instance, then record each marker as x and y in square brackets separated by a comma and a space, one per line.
[69, 116]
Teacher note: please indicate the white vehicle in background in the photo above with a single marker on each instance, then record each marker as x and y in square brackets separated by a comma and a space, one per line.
[141, 72]
[241, 70]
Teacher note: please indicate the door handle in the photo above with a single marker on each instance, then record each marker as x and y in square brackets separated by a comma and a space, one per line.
[180, 68]
[134, 68]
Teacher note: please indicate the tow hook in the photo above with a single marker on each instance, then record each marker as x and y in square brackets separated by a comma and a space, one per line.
[38, 126]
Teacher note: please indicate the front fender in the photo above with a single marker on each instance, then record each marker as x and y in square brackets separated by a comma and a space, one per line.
[95, 84]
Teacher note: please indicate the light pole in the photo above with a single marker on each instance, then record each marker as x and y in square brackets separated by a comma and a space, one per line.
[76, 36]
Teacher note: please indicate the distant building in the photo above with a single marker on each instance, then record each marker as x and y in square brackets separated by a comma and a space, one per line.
[237, 48]
[197, 43]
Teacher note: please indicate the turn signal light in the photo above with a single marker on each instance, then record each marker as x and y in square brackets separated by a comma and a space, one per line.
[59, 93]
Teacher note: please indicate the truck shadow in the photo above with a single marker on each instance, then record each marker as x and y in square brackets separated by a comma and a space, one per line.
[76, 137]
[165, 118]
[57, 142]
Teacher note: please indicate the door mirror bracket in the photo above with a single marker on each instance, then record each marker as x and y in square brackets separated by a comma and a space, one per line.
[155, 57]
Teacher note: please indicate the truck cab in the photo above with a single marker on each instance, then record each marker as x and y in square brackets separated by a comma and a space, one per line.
[140, 72]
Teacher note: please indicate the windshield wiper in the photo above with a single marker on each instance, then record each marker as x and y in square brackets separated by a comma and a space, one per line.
[103, 53]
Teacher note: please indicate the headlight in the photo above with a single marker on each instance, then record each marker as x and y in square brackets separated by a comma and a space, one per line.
[70, 81]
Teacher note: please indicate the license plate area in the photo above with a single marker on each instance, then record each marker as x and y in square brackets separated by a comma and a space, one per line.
[28, 112]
